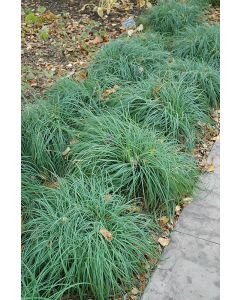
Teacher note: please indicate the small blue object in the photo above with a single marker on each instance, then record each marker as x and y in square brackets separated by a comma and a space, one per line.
[128, 23]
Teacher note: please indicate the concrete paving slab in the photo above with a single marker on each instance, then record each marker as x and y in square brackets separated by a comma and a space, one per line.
[189, 267]
[190, 271]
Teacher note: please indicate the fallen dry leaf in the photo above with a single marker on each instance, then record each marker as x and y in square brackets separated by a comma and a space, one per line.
[164, 220]
[156, 90]
[149, 4]
[141, 277]
[82, 75]
[108, 92]
[152, 261]
[73, 142]
[100, 11]
[107, 234]
[187, 200]
[178, 210]
[210, 168]
[216, 138]
[139, 28]
[134, 291]
[130, 32]
[53, 185]
[66, 151]
[97, 40]
[135, 209]
[164, 241]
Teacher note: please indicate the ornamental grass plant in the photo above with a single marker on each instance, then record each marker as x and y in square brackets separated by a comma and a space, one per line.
[49, 126]
[84, 239]
[139, 161]
[202, 75]
[171, 106]
[170, 16]
[200, 43]
[126, 61]
[45, 137]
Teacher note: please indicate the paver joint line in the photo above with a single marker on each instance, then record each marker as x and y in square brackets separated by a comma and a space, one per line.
[199, 238]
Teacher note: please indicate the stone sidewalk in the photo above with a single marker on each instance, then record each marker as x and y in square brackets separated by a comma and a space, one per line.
[189, 267]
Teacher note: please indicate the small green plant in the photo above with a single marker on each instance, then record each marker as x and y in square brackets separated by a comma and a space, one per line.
[43, 33]
[169, 16]
[31, 18]
[171, 106]
[84, 239]
[201, 43]
[41, 9]
[137, 159]
[126, 61]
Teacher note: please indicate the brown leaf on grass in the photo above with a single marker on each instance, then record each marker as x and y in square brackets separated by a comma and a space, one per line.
[142, 3]
[139, 28]
[130, 32]
[141, 277]
[108, 92]
[135, 209]
[142, 287]
[170, 227]
[152, 151]
[33, 82]
[187, 200]
[135, 291]
[52, 185]
[73, 142]
[82, 75]
[178, 210]
[163, 220]
[66, 151]
[152, 261]
[107, 234]
[164, 241]
[156, 90]
[107, 197]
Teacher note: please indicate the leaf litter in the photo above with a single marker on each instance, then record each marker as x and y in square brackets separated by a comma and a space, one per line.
[60, 38]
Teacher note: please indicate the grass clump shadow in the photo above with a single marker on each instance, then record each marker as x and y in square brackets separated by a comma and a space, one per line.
[86, 239]
[138, 160]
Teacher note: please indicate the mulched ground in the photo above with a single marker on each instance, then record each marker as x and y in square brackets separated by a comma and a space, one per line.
[75, 33]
